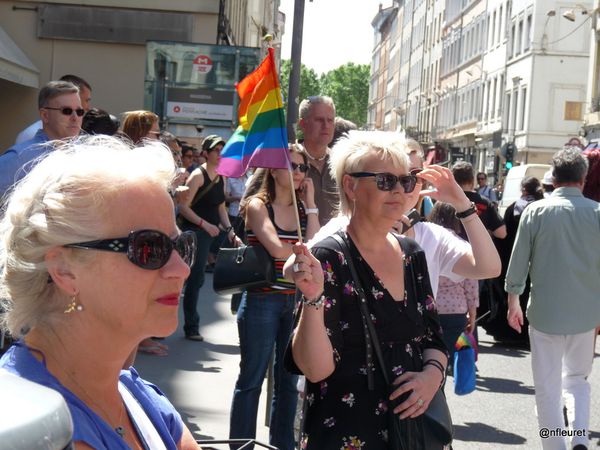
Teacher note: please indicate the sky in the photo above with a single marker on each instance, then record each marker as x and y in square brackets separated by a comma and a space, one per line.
[335, 32]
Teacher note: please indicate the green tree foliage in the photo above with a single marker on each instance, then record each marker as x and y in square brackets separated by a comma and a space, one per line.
[348, 86]
[309, 81]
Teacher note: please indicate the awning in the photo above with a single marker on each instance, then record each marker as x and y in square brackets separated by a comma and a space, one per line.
[15, 66]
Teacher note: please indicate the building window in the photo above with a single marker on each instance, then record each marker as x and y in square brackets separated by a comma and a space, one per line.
[505, 118]
[528, 36]
[493, 93]
[523, 108]
[573, 111]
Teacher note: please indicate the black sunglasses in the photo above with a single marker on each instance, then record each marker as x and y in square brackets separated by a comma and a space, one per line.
[388, 181]
[68, 111]
[148, 249]
[301, 167]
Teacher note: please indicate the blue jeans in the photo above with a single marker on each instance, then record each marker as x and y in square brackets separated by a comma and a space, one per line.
[191, 319]
[452, 326]
[264, 321]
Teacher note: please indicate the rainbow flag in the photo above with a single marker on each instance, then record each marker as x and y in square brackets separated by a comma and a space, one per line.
[261, 138]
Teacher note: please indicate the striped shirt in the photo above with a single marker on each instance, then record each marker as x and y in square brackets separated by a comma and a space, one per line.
[281, 286]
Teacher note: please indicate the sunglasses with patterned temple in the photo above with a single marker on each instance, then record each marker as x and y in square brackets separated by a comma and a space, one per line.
[67, 111]
[148, 249]
[388, 181]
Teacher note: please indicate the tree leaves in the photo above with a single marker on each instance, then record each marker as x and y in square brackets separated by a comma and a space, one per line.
[348, 86]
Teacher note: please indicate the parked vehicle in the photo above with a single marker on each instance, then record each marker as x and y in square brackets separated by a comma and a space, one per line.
[512, 182]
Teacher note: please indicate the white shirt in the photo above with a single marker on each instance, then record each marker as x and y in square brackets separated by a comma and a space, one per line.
[442, 248]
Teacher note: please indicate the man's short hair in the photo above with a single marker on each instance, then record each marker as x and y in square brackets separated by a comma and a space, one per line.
[77, 81]
[482, 174]
[168, 138]
[307, 104]
[569, 166]
[463, 173]
[53, 89]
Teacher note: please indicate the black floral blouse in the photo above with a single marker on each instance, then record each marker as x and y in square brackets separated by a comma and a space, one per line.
[342, 413]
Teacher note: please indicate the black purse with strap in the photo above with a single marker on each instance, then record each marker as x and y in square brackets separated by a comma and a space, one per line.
[437, 419]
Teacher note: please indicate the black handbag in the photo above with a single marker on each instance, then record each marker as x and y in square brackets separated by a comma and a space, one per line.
[241, 268]
[437, 419]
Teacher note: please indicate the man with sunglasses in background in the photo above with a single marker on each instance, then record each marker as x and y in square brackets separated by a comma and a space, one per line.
[61, 114]
[484, 189]
[317, 122]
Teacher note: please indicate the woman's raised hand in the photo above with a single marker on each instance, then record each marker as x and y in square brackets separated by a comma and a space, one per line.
[307, 192]
[307, 272]
[447, 189]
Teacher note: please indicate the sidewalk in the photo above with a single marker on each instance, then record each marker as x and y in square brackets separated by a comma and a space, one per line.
[198, 377]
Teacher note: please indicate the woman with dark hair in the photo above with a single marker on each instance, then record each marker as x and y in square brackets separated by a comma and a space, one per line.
[205, 214]
[265, 316]
[531, 190]
[591, 188]
[456, 302]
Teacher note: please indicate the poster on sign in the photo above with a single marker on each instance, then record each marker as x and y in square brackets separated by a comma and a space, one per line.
[203, 63]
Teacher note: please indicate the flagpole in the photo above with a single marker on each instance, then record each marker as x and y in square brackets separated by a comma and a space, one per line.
[295, 203]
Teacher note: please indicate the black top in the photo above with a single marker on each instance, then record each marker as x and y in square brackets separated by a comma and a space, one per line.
[342, 413]
[207, 207]
[486, 211]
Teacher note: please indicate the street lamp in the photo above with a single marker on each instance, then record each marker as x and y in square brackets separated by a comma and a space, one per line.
[570, 13]
[549, 14]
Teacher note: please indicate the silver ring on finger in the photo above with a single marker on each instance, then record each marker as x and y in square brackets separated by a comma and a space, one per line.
[296, 267]
[420, 403]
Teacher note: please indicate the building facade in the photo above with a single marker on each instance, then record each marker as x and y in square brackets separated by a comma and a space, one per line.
[485, 73]
[104, 41]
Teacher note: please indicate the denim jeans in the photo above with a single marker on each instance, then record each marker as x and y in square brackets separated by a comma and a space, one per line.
[452, 326]
[264, 322]
[191, 319]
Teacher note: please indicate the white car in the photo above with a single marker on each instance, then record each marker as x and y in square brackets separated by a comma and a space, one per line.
[512, 182]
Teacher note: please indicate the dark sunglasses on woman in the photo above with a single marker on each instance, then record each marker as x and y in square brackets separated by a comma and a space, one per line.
[68, 111]
[148, 249]
[301, 167]
[388, 181]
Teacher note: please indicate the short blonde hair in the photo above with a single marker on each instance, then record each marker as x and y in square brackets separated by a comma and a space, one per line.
[65, 199]
[349, 152]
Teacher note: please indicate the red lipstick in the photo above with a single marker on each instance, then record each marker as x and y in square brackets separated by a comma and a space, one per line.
[169, 300]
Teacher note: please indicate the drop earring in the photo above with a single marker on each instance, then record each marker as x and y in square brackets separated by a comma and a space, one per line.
[73, 306]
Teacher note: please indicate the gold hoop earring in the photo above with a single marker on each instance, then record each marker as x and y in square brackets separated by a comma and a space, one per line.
[73, 305]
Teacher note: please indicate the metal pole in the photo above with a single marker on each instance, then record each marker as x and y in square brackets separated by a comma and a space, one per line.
[294, 87]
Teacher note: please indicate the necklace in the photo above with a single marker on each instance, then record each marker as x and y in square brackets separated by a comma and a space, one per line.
[119, 429]
[316, 159]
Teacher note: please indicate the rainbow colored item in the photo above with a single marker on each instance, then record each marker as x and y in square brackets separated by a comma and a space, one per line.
[261, 138]
[467, 340]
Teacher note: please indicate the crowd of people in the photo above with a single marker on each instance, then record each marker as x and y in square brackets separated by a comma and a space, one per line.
[396, 259]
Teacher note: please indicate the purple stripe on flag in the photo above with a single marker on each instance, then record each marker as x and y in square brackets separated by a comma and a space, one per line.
[271, 158]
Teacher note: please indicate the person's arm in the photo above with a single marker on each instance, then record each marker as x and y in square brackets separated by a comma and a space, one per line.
[225, 225]
[194, 181]
[187, 441]
[471, 290]
[312, 348]
[483, 261]
[257, 220]
[312, 212]
[500, 232]
[518, 269]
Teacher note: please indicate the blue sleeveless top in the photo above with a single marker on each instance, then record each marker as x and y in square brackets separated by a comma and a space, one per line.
[88, 426]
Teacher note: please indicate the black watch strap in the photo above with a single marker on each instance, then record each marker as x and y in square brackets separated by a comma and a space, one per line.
[468, 212]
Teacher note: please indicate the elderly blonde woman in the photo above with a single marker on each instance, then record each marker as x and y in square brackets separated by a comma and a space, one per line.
[329, 345]
[91, 264]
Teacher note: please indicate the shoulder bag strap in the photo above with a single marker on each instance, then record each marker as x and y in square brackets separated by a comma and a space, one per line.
[204, 191]
[372, 342]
